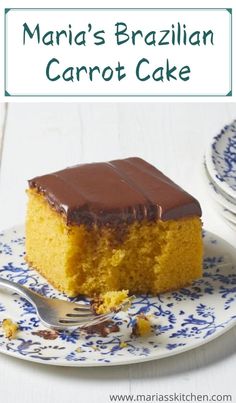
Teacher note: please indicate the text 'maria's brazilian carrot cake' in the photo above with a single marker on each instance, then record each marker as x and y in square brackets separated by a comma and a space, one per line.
[119, 225]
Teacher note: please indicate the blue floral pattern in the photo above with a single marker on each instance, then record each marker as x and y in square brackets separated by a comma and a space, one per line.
[223, 157]
[226, 202]
[181, 319]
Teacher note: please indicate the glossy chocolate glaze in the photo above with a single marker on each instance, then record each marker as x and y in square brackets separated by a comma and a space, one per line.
[113, 193]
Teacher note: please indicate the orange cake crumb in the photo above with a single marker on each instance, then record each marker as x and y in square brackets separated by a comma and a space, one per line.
[142, 326]
[9, 328]
[110, 301]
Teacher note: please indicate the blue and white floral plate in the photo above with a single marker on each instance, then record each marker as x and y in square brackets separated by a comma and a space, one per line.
[222, 204]
[221, 159]
[182, 320]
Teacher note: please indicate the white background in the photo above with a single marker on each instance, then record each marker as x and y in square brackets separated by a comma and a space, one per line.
[44, 137]
[209, 64]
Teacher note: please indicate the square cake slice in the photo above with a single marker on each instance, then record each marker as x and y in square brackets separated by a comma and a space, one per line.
[101, 227]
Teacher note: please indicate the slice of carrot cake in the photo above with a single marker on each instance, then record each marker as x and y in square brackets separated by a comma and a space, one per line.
[119, 225]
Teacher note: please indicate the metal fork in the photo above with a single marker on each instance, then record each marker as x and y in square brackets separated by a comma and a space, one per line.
[59, 314]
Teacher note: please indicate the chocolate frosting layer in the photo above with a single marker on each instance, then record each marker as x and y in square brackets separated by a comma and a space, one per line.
[115, 192]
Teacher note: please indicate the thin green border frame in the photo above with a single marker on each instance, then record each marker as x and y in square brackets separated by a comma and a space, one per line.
[230, 92]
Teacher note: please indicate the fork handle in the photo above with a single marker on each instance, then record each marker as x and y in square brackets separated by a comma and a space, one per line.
[19, 289]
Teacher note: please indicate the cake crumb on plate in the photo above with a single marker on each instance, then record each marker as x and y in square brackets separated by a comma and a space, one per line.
[10, 328]
[142, 326]
[123, 344]
[110, 301]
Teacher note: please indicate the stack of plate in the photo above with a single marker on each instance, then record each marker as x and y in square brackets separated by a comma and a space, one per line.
[220, 172]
